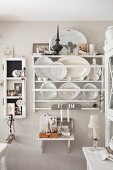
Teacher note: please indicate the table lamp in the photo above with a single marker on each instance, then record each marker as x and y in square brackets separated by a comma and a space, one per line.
[94, 130]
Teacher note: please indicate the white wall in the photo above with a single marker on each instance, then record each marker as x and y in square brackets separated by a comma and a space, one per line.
[24, 153]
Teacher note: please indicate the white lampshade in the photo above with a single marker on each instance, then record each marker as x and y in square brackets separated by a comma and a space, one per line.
[93, 122]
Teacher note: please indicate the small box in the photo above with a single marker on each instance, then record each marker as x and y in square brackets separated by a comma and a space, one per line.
[48, 135]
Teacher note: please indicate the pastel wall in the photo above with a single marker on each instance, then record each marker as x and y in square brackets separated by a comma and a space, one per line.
[24, 153]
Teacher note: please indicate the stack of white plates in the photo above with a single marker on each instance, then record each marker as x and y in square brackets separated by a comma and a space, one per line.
[69, 94]
[53, 73]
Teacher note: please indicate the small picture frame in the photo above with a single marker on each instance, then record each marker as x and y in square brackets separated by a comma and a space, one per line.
[40, 48]
[11, 93]
[18, 88]
[18, 110]
[7, 50]
[11, 109]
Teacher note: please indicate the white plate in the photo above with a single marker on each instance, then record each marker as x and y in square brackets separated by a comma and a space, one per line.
[57, 73]
[77, 73]
[41, 72]
[66, 36]
[48, 94]
[90, 94]
[69, 94]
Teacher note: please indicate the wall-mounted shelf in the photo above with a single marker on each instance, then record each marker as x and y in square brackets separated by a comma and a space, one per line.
[68, 140]
[86, 104]
[14, 87]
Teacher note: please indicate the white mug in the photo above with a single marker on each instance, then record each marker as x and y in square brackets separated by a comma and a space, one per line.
[91, 49]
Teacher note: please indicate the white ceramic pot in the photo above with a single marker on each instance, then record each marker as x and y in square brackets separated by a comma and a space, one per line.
[109, 34]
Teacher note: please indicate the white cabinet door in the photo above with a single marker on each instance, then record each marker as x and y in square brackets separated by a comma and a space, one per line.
[109, 84]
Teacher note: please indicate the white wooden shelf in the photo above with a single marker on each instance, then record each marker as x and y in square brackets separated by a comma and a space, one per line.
[67, 66]
[61, 56]
[38, 100]
[11, 64]
[13, 97]
[49, 108]
[13, 78]
[74, 81]
[74, 100]
[69, 89]
[42, 140]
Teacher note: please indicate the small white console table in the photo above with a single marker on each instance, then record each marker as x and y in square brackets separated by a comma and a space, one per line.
[3, 147]
[96, 164]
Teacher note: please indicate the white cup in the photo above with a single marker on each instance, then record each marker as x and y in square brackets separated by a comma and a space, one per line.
[91, 49]
[45, 78]
[39, 79]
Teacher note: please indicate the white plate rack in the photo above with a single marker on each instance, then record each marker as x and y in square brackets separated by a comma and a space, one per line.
[40, 103]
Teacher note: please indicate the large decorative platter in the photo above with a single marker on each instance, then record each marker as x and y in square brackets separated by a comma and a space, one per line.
[76, 73]
[69, 38]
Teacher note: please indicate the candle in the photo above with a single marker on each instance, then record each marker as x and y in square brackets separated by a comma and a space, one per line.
[57, 31]
[68, 115]
[61, 114]
[95, 135]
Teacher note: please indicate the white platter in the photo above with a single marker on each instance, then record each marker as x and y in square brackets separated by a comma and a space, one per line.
[57, 73]
[48, 94]
[66, 36]
[90, 94]
[41, 72]
[77, 73]
[69, 94]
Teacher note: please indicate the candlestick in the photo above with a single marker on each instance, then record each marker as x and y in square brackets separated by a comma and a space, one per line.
[58, 32]
[68, 115]
[61, 114]
[49, 44]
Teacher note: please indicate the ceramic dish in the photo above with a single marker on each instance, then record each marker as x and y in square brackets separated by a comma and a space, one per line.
[41, 72]
[69, 94]
[90, 94]
[48, 94]
[77, 73]
[16, 73]
[56, 73]
[69, 38]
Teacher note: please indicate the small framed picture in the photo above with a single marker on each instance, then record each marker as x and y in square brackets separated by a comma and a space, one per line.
[18, 88]
[40, 48]
[11, 108]
[11, 93]
[18, 110]
[7, 50]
